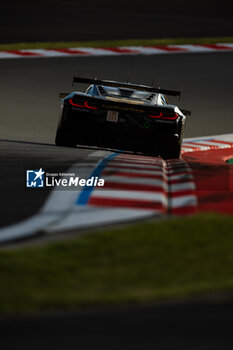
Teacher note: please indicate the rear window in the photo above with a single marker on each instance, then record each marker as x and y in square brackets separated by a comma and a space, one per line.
[126, 93]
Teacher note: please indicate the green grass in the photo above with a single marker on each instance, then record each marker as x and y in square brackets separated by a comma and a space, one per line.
[113, 43]
[143, 263]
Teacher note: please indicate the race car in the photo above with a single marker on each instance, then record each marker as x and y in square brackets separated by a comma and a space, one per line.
[122, 116]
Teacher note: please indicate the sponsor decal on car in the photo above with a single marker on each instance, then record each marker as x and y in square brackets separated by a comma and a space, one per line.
[117, 99]
[112, 116]
[122, 108]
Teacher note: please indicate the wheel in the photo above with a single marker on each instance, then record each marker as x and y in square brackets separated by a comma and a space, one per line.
[169, 148]
[65, 133]
[64, 138]
[173, 151]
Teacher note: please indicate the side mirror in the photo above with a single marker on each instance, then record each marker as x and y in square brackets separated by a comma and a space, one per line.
[63, 94]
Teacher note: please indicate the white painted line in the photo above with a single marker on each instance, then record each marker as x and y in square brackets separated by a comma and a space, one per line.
[230, 45]
[28, 227]
[147, 50]
[208, 141]
[218, 145]
[138, 195]
[93, 216]
[186, 149]
[183, 186]
[181, 177]
[98, 51]
[185, 201]
[225, 137]
[197, 48]
[49, 53]
[7, 55]
[198, 146]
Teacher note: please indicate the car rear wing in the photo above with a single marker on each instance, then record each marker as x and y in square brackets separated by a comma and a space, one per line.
[126, 85]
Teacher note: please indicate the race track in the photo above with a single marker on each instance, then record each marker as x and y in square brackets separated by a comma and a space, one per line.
[29, 111]
[30, 105]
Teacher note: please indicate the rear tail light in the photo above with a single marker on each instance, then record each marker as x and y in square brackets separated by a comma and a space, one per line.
[156, 116]
[168, 116]
[83, 104]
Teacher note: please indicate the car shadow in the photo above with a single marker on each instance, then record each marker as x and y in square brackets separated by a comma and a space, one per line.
[83, 147]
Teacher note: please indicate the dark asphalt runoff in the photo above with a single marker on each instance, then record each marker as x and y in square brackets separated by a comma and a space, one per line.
[72, 20]
[17, 202]
[30, 108]
[195, 326]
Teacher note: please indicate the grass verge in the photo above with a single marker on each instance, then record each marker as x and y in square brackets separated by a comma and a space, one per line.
[113, 43]
[136, 264]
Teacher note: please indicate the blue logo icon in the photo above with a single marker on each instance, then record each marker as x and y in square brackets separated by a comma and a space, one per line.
[35, 178]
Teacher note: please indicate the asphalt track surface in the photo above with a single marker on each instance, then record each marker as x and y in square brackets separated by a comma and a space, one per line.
[72, 20]
[30, 108]
[194, 326]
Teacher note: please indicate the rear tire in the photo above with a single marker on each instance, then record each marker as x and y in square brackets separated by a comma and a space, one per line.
[169, 148]
[173, 152]
[65, 136]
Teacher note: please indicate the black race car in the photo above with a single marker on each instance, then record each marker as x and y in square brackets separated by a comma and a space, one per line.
[122, 116]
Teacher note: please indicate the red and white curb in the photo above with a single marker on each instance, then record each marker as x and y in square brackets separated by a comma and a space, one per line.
[212, 173]
[207, 144]
[136, 187]
[146, 183]
[116, 51]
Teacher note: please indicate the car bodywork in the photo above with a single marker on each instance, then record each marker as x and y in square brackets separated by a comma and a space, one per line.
[122, 116]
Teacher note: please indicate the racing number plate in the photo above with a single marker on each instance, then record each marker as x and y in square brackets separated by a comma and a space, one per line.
[112, 116]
